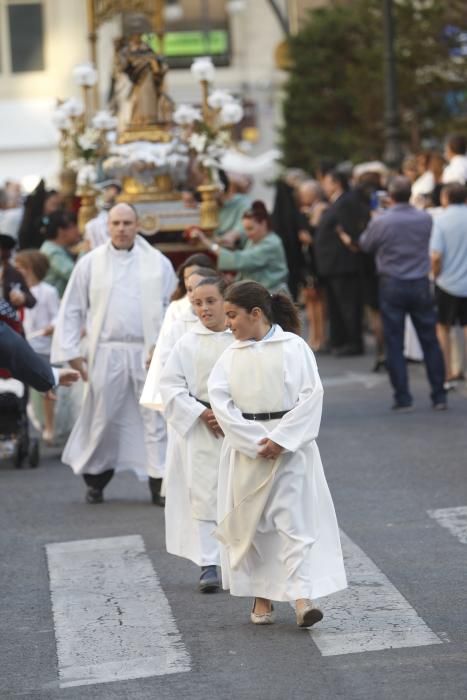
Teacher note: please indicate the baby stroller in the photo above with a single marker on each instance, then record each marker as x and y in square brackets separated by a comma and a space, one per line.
[15, 441]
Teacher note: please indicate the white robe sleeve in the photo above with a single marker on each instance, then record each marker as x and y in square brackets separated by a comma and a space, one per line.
[151, 398]
[169, 283]
[181, 409]
[71, 317]
[242, 435]
[301, 424]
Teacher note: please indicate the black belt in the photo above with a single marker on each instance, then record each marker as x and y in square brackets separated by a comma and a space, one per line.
[264, 416]
[203, 403]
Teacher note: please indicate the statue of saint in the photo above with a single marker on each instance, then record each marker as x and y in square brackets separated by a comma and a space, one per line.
[138, 85]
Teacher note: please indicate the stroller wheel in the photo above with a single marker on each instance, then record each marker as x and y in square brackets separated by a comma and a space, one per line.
[34, 454]
[18, 455]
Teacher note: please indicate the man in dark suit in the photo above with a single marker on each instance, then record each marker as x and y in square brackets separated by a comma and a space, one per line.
[338, 265]
[17, 356]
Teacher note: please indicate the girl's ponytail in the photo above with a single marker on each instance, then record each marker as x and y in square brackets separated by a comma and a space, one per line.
[284, 313]
[277, 308]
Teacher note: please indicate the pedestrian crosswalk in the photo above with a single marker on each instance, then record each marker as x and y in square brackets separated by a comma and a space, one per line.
[371, 614]
[453, 519]
[103, 589]
[103, 592]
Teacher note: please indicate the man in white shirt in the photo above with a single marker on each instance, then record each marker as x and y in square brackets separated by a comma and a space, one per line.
[456, 170]
[119, 292]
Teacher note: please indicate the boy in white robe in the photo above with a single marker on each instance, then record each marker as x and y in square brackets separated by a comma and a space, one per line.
[195, 438]
[119, 292]
[276, 517]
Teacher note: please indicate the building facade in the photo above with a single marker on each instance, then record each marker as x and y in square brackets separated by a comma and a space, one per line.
[42, 40]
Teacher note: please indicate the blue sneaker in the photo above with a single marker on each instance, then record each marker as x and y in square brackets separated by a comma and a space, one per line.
[209, 581]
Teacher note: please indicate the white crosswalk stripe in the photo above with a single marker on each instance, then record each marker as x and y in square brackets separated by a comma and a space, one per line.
[453, 519]
[370, 615]
[112, 619]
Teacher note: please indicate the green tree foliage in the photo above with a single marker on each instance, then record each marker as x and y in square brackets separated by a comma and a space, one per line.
[334, 97]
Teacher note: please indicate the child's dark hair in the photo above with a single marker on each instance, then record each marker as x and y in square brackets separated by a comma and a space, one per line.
[198, 260]
[258, 212]
[215, 282]
[277, 308]
[36, 261]
[58, 220]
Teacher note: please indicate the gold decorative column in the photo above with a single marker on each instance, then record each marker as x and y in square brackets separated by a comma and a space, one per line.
[209, 210]
[88, 209]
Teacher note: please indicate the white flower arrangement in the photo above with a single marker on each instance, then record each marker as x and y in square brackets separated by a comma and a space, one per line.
[73, 107]
[61, 119]
[186, 115]
[85, 75]
[218, 98]
[87, 175]
[198, 142]
[144, 160]
[104, 121]
[231, 113]
[89, 141]
[203, 69]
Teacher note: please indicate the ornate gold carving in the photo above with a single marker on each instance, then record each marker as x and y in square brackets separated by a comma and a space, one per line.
[106, 9]
[149, 224]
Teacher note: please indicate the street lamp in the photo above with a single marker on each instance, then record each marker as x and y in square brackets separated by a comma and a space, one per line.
[392, 147]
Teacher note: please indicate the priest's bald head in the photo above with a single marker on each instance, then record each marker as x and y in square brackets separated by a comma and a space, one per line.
[123, 225]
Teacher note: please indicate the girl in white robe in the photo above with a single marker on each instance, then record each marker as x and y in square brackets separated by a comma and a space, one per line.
[194, 438]
[179, 319]
[277, 522]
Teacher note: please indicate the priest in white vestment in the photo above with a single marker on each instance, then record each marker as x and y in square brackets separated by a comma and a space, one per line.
[119, 292]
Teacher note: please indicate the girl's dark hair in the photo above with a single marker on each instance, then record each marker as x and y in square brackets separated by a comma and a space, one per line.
[277, 308]
[258, 212]
[198, 260]
[203, 272]
[215, 281]
[58, 220]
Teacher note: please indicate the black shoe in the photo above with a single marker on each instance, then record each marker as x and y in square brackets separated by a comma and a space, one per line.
[158, 500]
[94, 495]
[155, 486]
[208, 582]
[402, 408]
[380, 363]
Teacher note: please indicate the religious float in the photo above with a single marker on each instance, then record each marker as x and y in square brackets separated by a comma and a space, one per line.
[155, 149]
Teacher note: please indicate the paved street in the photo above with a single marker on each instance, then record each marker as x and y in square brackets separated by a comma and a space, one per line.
[73, 616]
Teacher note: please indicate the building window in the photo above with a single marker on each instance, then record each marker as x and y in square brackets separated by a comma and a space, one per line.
[26, 25]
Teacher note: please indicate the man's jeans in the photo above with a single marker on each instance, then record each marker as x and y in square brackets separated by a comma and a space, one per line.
[399, 298]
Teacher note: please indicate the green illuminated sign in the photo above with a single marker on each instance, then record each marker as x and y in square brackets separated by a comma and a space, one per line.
[195, 43]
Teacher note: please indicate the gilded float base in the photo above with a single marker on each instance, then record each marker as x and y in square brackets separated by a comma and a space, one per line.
[159, 133]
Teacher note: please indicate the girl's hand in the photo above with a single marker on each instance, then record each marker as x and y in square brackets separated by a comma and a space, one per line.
[269, 449]
[209, 418]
